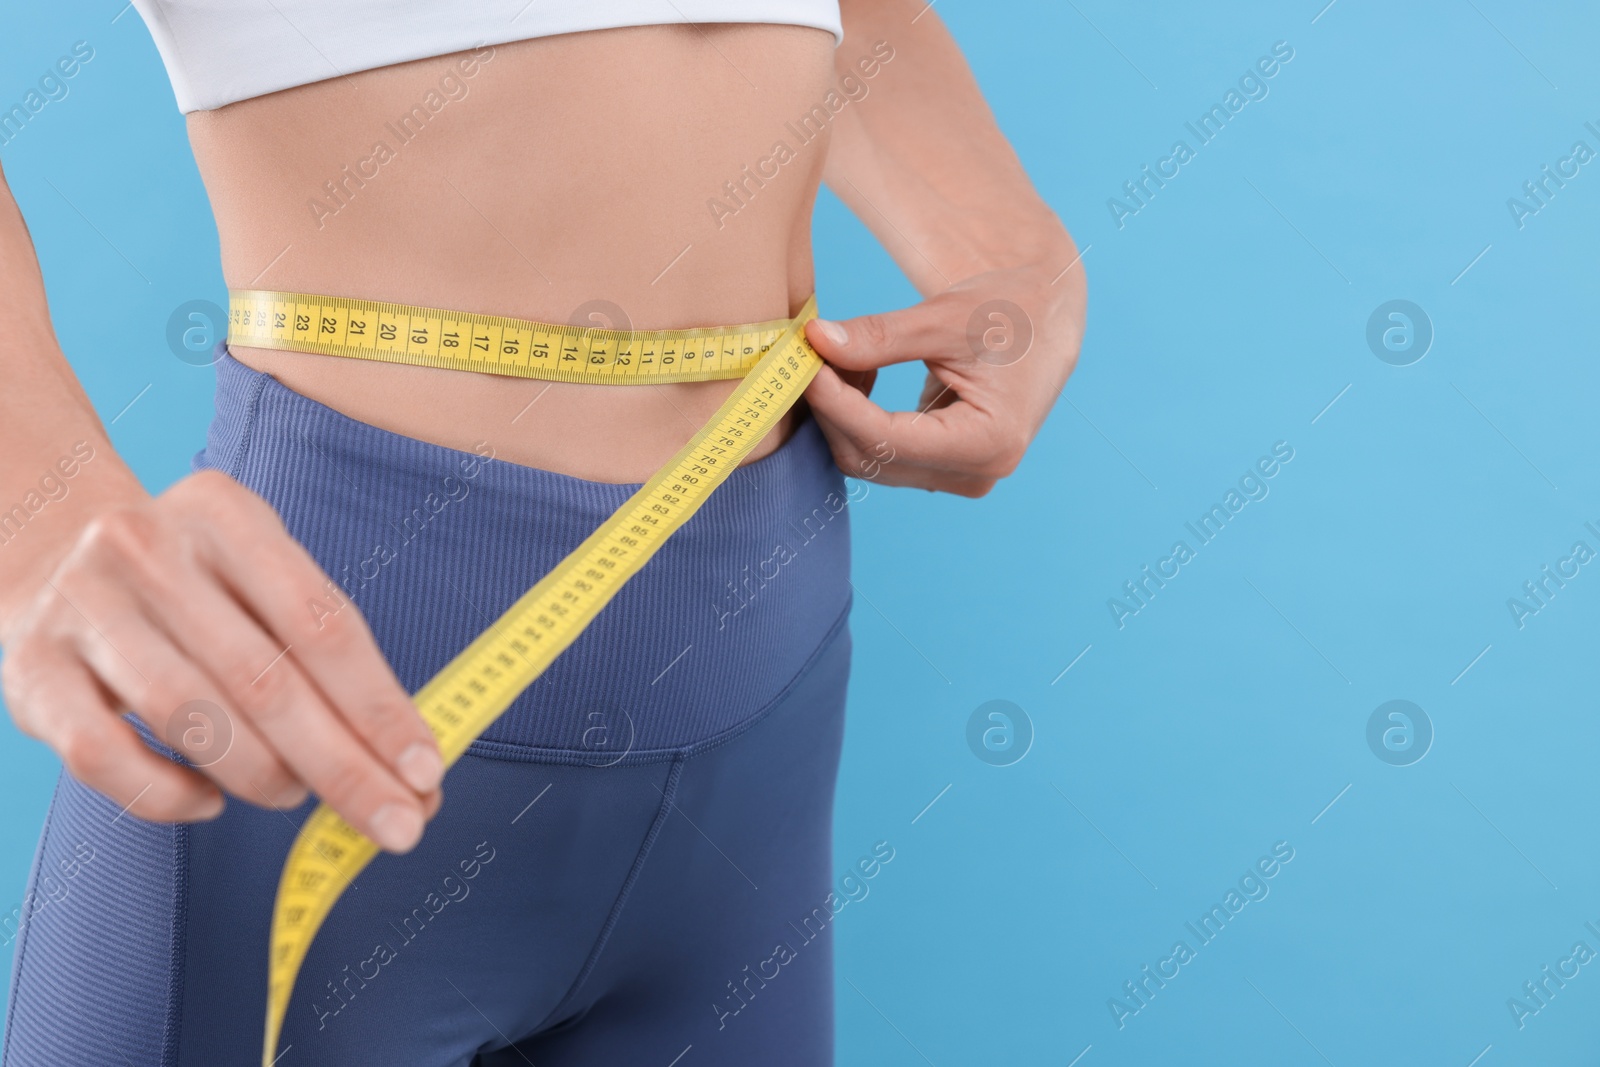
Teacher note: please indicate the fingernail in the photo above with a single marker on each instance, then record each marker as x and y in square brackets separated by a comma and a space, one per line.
[833, 331]
[293, 797]
[421, 767]
[397, 827]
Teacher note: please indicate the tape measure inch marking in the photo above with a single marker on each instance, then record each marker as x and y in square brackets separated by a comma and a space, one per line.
[494, 344]
[488, 675]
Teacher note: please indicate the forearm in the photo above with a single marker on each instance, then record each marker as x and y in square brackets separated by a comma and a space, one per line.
[47, 428]
[922, 163]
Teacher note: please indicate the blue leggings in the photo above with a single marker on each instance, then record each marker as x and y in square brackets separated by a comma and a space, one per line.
[632, 866]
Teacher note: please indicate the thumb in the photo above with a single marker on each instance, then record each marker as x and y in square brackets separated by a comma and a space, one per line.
[919, 332]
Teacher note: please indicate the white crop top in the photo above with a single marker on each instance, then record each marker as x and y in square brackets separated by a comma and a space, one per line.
[221, 51]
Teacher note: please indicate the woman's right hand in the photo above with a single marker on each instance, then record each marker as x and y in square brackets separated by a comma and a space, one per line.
[200, 594]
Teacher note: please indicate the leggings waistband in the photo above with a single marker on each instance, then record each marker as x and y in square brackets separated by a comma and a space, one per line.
[432, 544]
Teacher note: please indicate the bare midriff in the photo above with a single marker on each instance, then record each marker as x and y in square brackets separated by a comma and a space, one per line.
[561, 179]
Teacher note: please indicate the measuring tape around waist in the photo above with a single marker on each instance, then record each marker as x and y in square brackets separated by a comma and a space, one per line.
[456, 340]
[478, 685]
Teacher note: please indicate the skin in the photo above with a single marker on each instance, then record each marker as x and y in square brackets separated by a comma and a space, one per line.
[115, 600]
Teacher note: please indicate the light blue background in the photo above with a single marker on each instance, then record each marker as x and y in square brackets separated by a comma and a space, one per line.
[1229, 713]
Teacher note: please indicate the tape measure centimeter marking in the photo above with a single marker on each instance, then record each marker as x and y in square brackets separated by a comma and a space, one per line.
[482, 681]
[434, 337]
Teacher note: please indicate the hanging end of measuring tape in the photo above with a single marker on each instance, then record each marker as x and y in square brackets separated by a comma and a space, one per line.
[269, 1048]
[326, 856]
[277, 1003]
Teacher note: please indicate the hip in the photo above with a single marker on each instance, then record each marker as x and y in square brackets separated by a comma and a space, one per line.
[432, 543]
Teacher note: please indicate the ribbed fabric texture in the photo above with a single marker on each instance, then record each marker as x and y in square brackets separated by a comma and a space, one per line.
[432, 544]
[103, 917]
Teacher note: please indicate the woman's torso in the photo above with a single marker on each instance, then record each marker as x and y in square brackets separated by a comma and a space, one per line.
[564, 179]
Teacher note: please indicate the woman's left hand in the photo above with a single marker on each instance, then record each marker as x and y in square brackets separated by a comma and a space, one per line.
[999, 346]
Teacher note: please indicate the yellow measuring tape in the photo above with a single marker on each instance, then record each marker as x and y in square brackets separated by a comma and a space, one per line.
[480, 683]
[433, 337]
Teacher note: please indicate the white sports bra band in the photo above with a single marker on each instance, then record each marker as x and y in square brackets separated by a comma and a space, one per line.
[219, 52]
